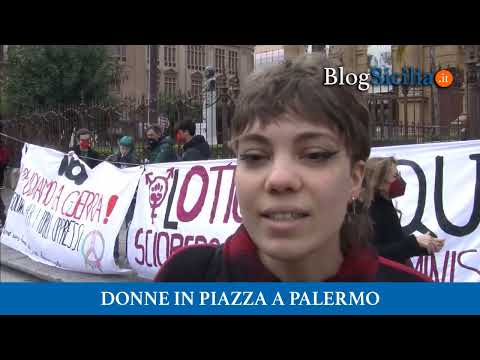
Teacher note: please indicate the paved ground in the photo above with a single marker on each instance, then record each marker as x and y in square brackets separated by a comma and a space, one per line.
[14, 265]
[10, 275]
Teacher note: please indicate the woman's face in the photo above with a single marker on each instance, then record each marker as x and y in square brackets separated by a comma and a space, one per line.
[294, 181]
[124, 150]
[390, 177]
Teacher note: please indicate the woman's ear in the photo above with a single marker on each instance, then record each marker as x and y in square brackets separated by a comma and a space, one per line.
[358, 172]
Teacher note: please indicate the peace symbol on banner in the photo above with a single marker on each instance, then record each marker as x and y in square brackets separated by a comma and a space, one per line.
[93, 249]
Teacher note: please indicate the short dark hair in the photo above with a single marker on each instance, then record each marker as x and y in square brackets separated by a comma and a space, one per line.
[297, 87]
[156, 128]
[83, 131]
[186, 125]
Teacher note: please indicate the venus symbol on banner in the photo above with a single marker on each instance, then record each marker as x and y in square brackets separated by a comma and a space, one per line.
[158, 189]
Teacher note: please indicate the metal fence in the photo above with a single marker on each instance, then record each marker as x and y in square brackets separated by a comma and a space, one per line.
[418, 114]
[53, 127]
[398, 116]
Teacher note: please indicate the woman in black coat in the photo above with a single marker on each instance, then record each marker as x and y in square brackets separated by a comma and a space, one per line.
[383, 183]
[125, 157]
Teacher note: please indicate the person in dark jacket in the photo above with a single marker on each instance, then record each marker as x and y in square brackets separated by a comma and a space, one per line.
[383, 183]
[161, 146]
[3, 216]
[84, 148]
[301, 150]
[195, 147]
[4, 160]
[125, 157]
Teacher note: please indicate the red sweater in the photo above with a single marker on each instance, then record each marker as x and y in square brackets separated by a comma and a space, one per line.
[237, 261]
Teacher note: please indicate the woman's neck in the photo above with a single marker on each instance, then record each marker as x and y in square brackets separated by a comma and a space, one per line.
[316, 266]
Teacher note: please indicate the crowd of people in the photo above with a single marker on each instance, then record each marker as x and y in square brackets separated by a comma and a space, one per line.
[161, 149]
[315, 206]
[160, 146]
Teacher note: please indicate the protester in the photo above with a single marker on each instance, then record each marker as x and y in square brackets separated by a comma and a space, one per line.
[383, 183]
[195, 147]
[3, 216]
[301, 148]
[4, 160]
[84, 148]
[125, 157]
[161, 146]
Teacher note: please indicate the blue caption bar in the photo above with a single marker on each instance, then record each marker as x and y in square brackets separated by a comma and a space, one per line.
[240, 299]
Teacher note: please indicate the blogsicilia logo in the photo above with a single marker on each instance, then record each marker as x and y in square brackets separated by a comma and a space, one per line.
[409, 76]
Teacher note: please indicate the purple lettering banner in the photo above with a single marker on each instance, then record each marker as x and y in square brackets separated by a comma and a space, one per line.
[179, 205]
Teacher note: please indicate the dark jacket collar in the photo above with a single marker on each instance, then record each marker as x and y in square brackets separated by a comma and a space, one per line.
[194, 141]
[243, 263]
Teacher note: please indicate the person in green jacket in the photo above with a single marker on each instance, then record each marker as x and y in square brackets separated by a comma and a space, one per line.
[161, 146]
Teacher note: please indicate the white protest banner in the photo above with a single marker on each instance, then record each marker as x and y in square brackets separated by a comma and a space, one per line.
[442, 196]
[67, 215]
[181, 204]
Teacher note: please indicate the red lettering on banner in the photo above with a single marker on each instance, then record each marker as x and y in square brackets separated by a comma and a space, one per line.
[236, 217]
[451, 261]
[445, 265]
[452, 266]
[76, 202]
[26, 174]
[29, 184]
[146, 248]
[460, 254]
[182, 214]
[220, 170]
[80, 205]
[419, 266]
[171, 243]
[57, 199]
[91, 205]
[50, 186]
[110, 206]
[230, 199]
[98, 210]
[155, 249]
[138, 246]
[65, 213]
[200, 239]
[165, 236]
[188, 239]
[39, 190]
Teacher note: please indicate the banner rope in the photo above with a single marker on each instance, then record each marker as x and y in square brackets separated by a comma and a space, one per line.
[81, 156]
